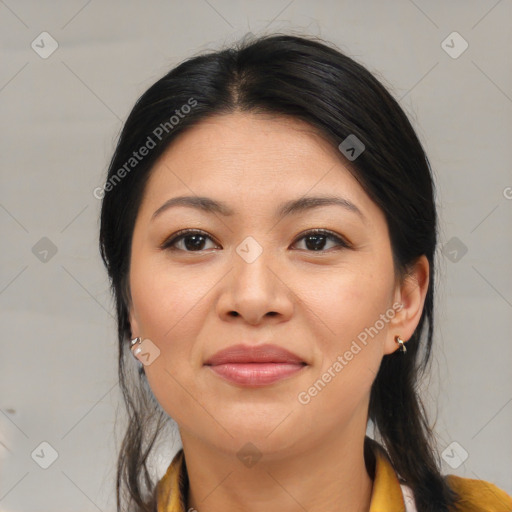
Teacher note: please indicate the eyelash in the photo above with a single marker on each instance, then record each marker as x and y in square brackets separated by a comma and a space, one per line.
[168, 243]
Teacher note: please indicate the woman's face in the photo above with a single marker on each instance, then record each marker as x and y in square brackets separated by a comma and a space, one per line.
[254, 277]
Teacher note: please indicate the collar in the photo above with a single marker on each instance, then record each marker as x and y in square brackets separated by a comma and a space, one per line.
[386, 496]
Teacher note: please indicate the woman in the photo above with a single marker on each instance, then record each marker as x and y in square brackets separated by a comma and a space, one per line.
[269, 228]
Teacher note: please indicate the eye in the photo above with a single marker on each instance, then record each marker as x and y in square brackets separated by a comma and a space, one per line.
[315, 239]
[192, 238]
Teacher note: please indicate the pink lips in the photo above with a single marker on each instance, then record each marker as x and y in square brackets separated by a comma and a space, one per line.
[255, 365]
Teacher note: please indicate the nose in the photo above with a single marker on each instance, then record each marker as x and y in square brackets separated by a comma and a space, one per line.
[254, 290]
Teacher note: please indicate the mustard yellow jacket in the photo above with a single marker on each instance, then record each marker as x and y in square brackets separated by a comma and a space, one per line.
[388, 495]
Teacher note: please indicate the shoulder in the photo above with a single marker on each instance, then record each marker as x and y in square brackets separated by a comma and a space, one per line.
[479, 495]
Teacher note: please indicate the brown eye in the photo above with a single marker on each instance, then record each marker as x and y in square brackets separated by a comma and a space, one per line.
[193, 241]
[315, 240]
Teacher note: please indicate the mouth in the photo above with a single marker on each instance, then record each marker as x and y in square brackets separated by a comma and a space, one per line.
[255, 365]
[256, 373]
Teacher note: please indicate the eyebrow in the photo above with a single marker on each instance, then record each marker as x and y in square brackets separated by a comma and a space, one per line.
[294, 206]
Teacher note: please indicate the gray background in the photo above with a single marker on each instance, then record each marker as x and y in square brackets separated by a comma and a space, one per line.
[60, 119]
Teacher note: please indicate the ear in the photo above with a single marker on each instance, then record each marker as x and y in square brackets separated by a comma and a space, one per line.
[411, 292]
[132, 317]
[134, 325]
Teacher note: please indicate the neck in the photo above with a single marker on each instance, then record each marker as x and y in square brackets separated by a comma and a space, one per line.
[328, 476]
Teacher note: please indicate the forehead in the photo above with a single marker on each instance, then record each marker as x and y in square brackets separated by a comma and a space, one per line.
[259, 141]
[254, 159]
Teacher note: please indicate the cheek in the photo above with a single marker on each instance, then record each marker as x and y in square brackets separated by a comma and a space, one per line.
[166, 300]
[346, 303]
[349, 331]
[166, 304]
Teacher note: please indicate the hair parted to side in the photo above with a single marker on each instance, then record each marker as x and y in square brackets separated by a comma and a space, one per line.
[311, 80]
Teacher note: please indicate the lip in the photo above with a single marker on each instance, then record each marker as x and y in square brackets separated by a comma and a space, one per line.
[259, 365]
[254, 354]
[256, 374]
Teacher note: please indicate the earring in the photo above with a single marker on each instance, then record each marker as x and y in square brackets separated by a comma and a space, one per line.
[401, 342]
[136, 350]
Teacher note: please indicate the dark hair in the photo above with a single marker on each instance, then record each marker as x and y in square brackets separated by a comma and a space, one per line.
[310, 80]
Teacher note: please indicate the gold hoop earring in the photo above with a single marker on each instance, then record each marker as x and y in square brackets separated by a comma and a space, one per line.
[401, 342]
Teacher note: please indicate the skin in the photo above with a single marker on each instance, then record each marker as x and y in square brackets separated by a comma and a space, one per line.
[312, 302]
